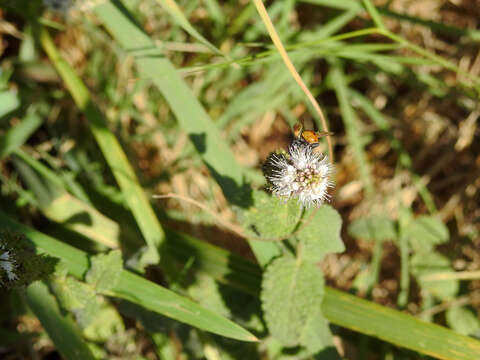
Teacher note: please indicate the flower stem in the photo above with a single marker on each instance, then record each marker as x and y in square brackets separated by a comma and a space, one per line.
[283, 53]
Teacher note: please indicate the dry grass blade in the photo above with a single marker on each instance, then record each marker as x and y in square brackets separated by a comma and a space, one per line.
[283, 53]
[459, 275]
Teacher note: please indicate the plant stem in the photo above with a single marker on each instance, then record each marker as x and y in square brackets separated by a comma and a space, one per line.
[283, 53]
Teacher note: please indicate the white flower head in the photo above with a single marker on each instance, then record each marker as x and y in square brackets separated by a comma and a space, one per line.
[8, 264]
[301, 173]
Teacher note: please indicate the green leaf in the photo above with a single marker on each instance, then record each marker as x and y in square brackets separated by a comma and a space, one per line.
[352, 127]
[116, 158]
[134, 288]
[106, 323]
[462, 320]
[426, 232]
[86, 315]
[372, 10]
[9, 101]
[205, 291]
[376, 228]
[363, 280]
[18, 134]
[216, 261]
[292, 293]
[105, 271]
[397, 328]
[338, 307]
[270, 217]
[176, 13]
[60, 206]
[423, 264]
[385, 11]
[320, 233]
[316, 335]
[192, 117]
[74, 295]
[151, 321]
[404, 159]
[61, 328]
[70, 211]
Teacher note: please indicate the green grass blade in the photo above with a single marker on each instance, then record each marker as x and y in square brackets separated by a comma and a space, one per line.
[374, 14]
[404, 248]
[111, 149]
[39, 167]
[216, 13]
[248, 105]
[61, 327]
[154, 297]
[60, 206]
[190, 114]
[312, 46]
[351, 127]
[337, 23]
[339, 308]
[135, 288]
[217, 262]
[472, 79]
[9, 101]
[83, 218]
[18, 134]
[171, 7]
[403, 157]
[376, 320]
[177, 244]
[433, 25]
[44, 191]
[473, 34]
[343, 5]
[188, 110]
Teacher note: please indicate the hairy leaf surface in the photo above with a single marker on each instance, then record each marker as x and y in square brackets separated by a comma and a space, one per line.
[426, 232]
[317, 336]
[292, 293]
[270, 216]
[320, 233]
[105, 271]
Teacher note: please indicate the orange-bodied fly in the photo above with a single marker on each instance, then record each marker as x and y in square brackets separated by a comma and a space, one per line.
[310, 136]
